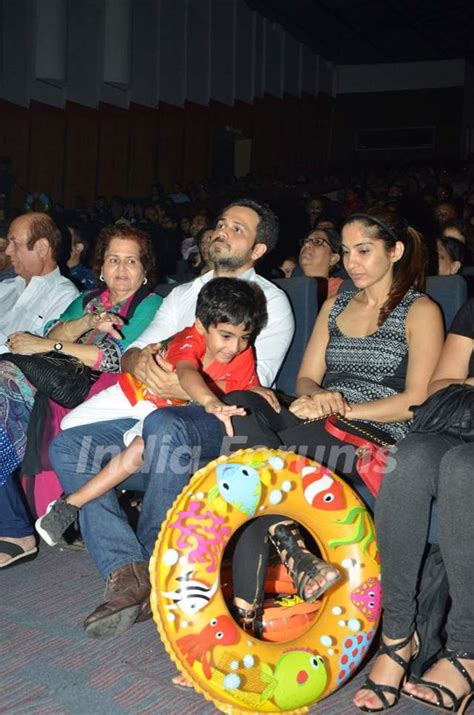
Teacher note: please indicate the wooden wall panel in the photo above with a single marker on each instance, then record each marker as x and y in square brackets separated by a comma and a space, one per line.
[196, 150]
[266, 136]
[82, 151]
[48, 130]
[170, 149]
[114, 150]
[143, 150]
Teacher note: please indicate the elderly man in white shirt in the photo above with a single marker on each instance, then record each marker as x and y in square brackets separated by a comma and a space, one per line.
[175, 436]
[39, 292]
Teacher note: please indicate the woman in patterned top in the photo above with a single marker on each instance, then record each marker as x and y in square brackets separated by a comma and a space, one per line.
[96, 328]
[370, 357]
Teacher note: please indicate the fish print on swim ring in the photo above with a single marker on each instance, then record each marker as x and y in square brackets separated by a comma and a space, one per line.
[239, 485]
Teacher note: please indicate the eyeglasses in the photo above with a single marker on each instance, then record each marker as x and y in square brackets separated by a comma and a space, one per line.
[314, 242]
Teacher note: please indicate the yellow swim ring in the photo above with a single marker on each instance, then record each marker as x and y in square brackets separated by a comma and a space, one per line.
[239, 673]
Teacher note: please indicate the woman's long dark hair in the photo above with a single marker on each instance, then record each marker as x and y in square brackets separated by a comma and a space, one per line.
[384, 223]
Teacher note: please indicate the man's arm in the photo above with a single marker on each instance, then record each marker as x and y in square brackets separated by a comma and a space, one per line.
[142, 358]
[273, 342]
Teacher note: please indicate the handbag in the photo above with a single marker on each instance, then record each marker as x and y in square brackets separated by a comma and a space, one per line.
[63, 378]
[449, 411]
[371, 453]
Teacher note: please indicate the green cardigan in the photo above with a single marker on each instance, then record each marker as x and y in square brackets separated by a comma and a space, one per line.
[142, 317]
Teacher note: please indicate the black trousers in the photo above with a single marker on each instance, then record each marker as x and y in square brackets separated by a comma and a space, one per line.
[262, 426]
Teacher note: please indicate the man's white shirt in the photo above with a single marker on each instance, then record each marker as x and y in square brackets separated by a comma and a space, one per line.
[178, 310]
[28, 307]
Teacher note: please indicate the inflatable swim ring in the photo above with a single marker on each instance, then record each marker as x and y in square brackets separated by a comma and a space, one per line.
[239, 673]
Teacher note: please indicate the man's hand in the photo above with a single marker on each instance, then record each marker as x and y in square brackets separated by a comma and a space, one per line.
[156, 373]
[224, 413]
[268, 395]
[27, 344]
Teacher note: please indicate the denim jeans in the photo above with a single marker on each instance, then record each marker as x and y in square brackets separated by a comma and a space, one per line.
[14, 517]
[178, 441]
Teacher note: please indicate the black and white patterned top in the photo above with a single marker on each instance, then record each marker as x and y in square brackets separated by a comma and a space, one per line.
[370, 367]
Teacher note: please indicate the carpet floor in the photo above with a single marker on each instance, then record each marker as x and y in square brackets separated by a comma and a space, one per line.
[48, 667]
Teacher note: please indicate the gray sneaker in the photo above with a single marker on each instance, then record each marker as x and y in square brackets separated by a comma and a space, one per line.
[58, 517]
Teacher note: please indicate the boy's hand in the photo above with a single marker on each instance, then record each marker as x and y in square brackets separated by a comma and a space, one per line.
[268, 395]
[224, 413]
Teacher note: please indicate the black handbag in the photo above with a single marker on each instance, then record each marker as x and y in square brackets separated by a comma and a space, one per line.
[449, 411]
[63, 378]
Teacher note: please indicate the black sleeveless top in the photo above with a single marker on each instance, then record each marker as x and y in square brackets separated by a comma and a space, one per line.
[370, 367]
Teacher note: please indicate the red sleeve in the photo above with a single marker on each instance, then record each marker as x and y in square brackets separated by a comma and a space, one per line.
[243, 374]
[188, 345]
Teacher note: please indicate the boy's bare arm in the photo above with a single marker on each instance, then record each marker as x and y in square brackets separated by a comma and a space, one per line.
[195, 386]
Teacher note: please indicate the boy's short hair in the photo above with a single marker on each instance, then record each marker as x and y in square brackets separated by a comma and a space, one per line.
[234, 301]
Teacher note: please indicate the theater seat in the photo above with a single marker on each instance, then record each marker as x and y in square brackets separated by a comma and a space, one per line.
[164, 289]
[305, 295]
[449, 292]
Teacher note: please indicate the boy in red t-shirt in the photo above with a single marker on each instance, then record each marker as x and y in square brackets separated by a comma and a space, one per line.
[212, 357]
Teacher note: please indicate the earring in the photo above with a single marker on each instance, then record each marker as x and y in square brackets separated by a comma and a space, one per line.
[145, 281]
[101, 277]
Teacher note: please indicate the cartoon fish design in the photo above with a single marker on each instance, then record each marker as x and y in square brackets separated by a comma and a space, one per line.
[198, 646]
[191, 595]
[354, 650]
[320, 490]
[239, 485]
[301, 678]
[368, 598]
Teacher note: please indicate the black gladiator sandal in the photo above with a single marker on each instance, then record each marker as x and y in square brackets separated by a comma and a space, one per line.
[458, 705]
[305, 566]
[378, 688]
[250, 620]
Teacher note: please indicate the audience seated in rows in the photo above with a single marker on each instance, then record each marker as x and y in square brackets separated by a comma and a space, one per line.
[95, 328]
[244, 232]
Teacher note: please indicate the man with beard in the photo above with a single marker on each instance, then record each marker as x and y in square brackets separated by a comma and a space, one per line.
[178, 440]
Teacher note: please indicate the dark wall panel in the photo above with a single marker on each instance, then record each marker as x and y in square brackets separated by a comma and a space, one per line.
[15, 143]
[82, 150]
[171, 123]
[143, 148]
[196, 149]
[114, 149]
[441, 108]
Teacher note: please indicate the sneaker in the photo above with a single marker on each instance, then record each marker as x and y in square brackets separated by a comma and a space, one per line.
[52, 525]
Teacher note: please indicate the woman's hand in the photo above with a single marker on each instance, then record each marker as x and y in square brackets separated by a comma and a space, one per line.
[268, 395]
[224, 413]
[27, 344]
[320, 404]
[107, 322]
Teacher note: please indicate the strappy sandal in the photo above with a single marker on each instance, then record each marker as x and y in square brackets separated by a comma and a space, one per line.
[378, 688]
[458, 705]
[305, 566]
[250, 620]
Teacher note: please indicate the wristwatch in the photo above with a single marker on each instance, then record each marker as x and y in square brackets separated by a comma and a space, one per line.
[58, 347]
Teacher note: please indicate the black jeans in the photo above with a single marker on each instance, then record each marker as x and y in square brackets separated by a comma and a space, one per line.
[428, 467]
[262, 426]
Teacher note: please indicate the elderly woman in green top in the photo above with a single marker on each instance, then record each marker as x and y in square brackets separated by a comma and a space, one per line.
[96, 328]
